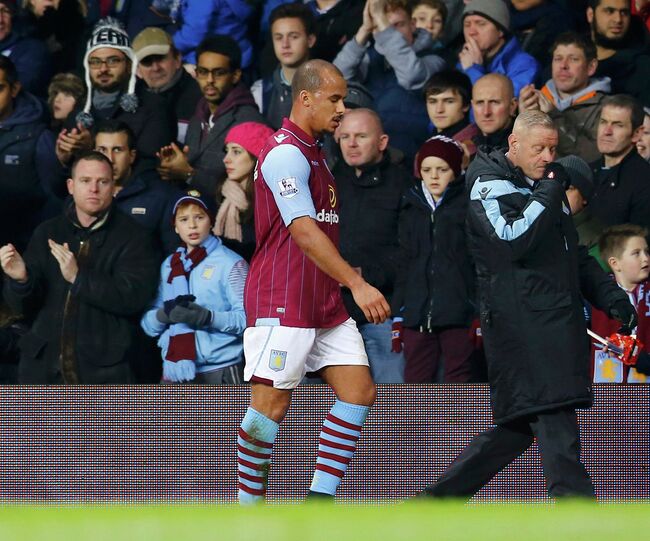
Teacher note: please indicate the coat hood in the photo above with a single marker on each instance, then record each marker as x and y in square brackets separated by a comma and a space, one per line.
[27, 109]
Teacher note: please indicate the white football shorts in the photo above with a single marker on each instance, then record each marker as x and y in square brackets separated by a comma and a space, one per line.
[281, 356]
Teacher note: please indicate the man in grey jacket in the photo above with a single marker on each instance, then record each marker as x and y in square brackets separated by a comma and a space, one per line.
[572, 97]
[394, 68]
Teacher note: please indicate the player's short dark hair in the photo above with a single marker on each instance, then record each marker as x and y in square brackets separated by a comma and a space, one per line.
[624, 101]
[11, 74]
[90, 156]
[117, 126]
[450, 79]
[223, 45]
[309, 76]
[579, 40]
[613, 239]
[295, 11]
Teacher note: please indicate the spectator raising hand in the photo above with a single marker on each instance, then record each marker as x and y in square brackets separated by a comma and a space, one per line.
[174, 165]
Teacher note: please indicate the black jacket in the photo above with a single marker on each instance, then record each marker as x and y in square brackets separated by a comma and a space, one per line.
[629, 70]
[150, 201]
[622, 193]
[335, 27]
[531, 276]
[152, 124]
[436, 287]
[83, 332]
[370, 207]
[207, 147]
[180, 100]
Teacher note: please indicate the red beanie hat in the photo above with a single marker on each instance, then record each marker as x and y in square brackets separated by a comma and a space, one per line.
[251, 135]
[441, 147]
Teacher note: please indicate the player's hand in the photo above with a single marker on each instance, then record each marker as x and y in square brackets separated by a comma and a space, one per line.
[13, 264]
[372, 302]
[66, 259]
[470, 54]
[624, 312]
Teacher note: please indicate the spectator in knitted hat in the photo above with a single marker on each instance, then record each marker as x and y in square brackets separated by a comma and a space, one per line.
[578, 194]
[436, 325]
[489, 46]
[110, 72]
[234, 222]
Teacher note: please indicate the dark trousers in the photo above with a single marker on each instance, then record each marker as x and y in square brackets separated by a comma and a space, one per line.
[424, 350]
[558, 438]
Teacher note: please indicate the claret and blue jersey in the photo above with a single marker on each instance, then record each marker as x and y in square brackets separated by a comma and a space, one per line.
[284, 286]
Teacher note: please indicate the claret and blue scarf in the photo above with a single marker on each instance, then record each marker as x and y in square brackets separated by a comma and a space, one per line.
[179, 364]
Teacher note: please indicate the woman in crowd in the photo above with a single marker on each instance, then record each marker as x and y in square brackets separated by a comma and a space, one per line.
[234, 222]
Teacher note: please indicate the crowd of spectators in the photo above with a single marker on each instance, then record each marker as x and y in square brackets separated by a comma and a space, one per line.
[114, 112]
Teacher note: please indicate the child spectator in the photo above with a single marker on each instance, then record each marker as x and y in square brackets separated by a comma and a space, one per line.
[625, 249]
[434, 295]
[199, 310]
[430, 15]
[234, 222]
[578, 194]
[65, 94]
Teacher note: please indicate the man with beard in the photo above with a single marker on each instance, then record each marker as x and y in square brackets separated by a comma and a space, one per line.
[226, 102]
[622, 47]
[110, 71]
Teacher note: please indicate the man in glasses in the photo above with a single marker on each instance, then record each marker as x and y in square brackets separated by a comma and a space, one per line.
[110, 65]
[226, 102]
[160, 66]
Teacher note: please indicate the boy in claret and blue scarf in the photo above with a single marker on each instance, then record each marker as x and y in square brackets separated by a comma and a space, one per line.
[199, 311]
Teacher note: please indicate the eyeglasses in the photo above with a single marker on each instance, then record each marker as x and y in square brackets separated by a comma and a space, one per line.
[111, 62]
[217, 73]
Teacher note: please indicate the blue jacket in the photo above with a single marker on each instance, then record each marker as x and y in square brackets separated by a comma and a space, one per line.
[218, 284]
[203, 18]
[32, 60]
[510, 61]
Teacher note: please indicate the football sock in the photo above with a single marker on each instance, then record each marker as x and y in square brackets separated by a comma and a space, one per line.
[336, 445]
[254, 446]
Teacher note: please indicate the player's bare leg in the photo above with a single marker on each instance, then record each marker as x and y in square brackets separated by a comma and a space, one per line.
[355, 392]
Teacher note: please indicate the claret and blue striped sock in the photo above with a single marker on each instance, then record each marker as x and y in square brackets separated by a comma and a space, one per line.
[337, 443]
[254, 446]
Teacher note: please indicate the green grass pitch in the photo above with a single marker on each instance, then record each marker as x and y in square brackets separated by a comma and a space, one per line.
[444, 521]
